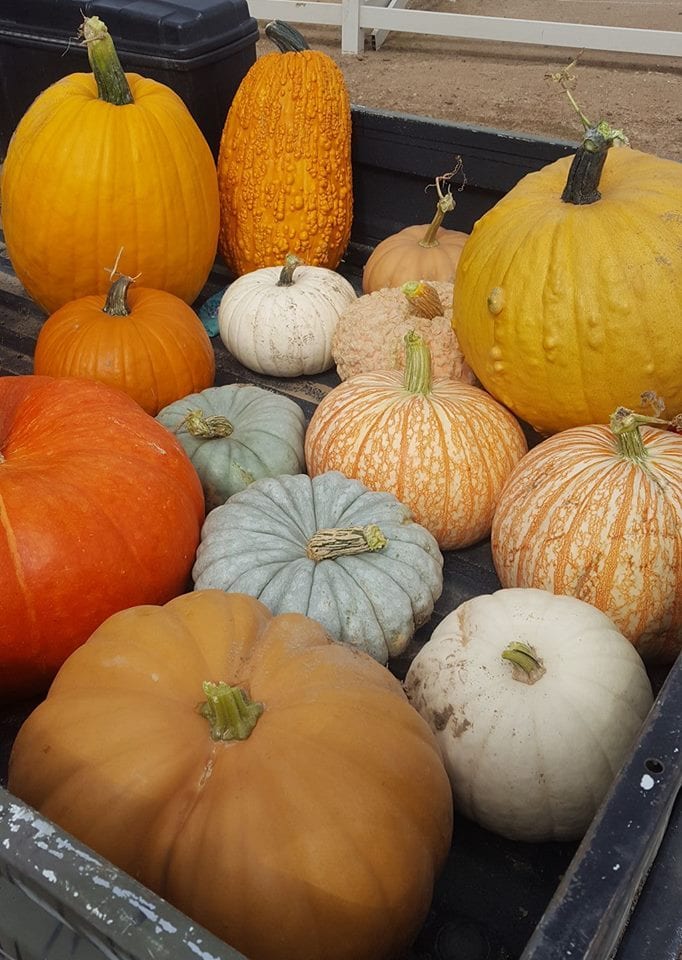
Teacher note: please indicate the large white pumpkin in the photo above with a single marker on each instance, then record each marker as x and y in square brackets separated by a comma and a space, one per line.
[280, 320]
[532, 743]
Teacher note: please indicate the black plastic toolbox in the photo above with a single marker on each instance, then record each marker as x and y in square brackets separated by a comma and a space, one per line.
[200, 48]
[615, 895]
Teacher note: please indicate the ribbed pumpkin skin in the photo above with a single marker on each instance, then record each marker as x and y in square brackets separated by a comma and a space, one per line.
[531, 761]
[318, 837]
[83, 178]
[400, 258]
[284, 331]
[266, 439]
[446, 456]
[101, 510]
[159, 353]
[565, 312]
[257, 543]
[284, 166]
[577, 518]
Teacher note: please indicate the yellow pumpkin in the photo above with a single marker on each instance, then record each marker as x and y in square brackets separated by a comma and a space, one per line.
[568, 294]
[595, 512]
[274, 785]
[105, 160]
[284, 165]
[444, 448]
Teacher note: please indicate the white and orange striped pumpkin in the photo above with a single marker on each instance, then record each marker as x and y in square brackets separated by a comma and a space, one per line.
[442, 447]
[595, 512]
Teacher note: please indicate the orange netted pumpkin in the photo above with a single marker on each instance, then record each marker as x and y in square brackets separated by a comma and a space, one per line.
[149, 343]
[284, 166]
[102, 160]
[101, 509]
[443, 447]
[274, 785]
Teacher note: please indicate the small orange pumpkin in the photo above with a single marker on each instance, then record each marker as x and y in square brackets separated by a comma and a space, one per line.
[148, 343]
[443, 448]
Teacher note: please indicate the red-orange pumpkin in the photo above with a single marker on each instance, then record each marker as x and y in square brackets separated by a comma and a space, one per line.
[100, 509]
[148, 343]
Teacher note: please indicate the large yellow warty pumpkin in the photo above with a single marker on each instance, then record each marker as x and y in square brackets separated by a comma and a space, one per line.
[568, 306]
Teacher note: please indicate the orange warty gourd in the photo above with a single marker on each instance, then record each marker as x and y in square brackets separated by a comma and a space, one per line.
[284, 165]
[103, 160]
[274, 785]
[595, 512]
[418, 252]
[148, 343]
[444, 448]
[101, 509]
[568, 299]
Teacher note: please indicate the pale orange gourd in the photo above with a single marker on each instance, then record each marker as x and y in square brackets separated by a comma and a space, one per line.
[148, 343]
[417, 252]
[103, 160]
[274, 785]
[443, 448]
[595, 512]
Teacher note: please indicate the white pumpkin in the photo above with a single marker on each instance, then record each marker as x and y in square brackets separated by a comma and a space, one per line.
[535, 699]
[280, 320]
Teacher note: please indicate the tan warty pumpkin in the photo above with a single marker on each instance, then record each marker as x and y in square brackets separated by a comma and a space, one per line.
[444, 448]
[284, 167]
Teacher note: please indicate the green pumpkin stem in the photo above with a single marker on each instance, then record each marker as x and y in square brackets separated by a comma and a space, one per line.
[526, 665]
[212, 427]
[112, 83]
[286, 277]
[286, 37]
[229, 711]
[328, 544]
[625, 424]
[116, 304]
[417, 377]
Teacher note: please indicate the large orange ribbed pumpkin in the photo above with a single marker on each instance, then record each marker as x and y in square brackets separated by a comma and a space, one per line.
[595, 512]
[104, 161]
[274, 785]
[444, 448]
[100, 509]
[284, 166]
[568, 294]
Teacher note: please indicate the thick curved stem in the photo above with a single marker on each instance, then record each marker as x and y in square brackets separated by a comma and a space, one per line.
[207, 428]
[286, 37]
[345, 541]
[116, 304]
[286, 277]
[229, 711]
[112, 83]
[423, 299]
[526, 665]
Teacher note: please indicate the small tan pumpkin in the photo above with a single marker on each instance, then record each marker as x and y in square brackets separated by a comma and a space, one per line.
[444, 448]
[422, 251]
[370, 333]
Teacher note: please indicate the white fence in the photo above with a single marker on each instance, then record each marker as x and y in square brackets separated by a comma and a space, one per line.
[356, 18]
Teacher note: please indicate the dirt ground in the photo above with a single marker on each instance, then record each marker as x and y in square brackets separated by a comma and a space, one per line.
[504, 85]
